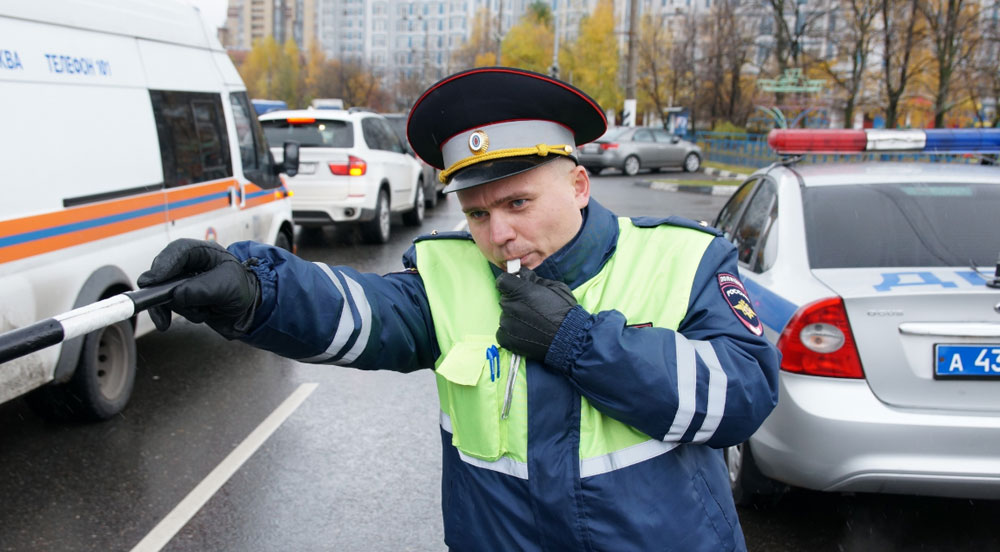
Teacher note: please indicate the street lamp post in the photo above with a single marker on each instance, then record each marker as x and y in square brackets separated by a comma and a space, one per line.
[554, 70]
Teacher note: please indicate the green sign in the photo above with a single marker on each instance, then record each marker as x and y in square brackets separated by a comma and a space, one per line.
[791, 80]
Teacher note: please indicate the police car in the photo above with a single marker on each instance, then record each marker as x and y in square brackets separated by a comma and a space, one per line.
[880, 284]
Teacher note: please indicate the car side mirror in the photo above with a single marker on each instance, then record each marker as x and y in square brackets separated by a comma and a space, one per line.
[674, 139]
[290, 160]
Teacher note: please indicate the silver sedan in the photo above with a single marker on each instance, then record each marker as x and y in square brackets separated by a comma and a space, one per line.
[876, 283]
[633, 148]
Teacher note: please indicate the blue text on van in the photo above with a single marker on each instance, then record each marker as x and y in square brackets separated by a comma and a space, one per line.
[10, 60]
[78, 65]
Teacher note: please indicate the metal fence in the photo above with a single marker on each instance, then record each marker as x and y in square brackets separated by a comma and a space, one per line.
[751, 151]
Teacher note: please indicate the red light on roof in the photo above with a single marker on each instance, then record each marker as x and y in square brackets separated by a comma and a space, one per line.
[301, 120]
[812, 141]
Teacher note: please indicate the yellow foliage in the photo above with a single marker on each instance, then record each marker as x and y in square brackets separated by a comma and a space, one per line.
[528, 45]
[592, 60]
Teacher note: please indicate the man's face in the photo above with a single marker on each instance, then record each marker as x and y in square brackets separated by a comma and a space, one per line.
[528, 216]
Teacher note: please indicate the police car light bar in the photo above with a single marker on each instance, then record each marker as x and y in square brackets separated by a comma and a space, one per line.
[793, 141]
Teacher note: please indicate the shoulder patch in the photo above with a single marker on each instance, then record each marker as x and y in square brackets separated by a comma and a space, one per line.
[435, 235]
[736, 297]
[650, 222]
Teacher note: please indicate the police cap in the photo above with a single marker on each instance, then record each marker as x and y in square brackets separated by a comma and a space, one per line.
[489, 123]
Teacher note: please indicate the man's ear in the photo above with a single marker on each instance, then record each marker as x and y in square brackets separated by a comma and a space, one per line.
[581, 186]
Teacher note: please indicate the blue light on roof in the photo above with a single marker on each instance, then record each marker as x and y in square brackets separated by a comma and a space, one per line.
[964, 140]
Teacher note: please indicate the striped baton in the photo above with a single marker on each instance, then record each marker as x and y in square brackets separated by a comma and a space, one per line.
[81, 321]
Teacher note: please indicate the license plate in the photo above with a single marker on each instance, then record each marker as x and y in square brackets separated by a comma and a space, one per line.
[590, 148]
[967, 361]
[307, 168]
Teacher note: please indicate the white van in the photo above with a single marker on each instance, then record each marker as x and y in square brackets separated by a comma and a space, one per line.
[125, 126]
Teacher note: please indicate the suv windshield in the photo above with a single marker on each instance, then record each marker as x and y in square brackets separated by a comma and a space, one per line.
[319, 134]
[911, 224]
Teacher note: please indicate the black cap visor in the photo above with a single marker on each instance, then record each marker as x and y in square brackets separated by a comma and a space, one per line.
[481, 173]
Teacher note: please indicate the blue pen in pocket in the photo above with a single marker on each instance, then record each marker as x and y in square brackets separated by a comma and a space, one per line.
[493, 357]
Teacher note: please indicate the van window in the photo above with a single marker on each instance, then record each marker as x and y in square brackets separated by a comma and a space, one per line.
[194, 146]
[253, 152]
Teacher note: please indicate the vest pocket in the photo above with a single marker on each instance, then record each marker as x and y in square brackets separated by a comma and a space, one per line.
[471, 399]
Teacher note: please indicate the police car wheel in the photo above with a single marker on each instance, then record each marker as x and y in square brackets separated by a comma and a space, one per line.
[749, 485]
[692, 162]
[415, 216]
[377, 229]
[631, 166]
[102, 383]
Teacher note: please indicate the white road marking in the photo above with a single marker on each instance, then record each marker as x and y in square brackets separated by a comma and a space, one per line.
[461, 226]
[187, 508]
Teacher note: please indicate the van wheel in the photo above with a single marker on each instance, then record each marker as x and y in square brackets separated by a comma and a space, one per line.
[415, 216]
[748, 484]
[102, 382]
[283, 242]
[377, 229]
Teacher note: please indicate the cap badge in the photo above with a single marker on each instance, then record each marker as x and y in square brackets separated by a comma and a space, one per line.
[479, 142]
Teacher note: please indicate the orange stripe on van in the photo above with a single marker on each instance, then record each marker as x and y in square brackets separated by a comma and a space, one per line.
[47, 232]
[62, 241]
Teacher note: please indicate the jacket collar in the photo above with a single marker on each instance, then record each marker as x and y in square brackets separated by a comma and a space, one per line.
[584, 255]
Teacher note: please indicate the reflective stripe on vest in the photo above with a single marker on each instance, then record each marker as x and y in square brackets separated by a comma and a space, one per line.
[648, 279]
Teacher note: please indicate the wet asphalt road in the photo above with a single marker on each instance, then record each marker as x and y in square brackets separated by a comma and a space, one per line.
[356, 466]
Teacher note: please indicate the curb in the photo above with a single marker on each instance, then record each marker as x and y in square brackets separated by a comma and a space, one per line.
[724, 174]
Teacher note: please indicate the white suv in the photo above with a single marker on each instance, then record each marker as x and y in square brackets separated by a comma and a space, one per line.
[352, 169]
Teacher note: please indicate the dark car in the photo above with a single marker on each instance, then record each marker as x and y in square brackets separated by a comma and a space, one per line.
[633, 148]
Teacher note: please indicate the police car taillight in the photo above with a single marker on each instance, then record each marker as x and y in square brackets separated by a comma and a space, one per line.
[941, 140]
[355, 166]
[605, 146]
[818, 341]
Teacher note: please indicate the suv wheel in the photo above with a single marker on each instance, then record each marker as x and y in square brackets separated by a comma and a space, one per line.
[415, 216]
[378, 228]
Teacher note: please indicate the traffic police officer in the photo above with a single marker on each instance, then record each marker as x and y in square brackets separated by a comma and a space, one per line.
[584, 397]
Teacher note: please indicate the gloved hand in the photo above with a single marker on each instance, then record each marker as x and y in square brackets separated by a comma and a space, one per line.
[220, 291]
[532, 309]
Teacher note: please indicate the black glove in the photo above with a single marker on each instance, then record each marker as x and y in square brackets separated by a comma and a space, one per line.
[220, 291]
[532, 309]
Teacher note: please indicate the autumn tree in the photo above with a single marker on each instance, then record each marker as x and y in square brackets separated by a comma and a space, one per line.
[901, 35]
[288, 72]
[793, 26]
[592, 59]
[849, 68]
[479, 50]
[982, 79]
[655, 46]
[260, 69]
[528, 44]
[953, 34]
[727, 46]
[313, 73]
